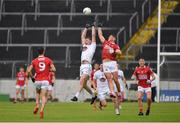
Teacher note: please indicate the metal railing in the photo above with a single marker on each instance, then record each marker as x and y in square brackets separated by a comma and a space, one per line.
[177, 29]
[143, 9]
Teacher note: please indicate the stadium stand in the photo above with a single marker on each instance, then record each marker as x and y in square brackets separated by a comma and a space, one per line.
[56, 25]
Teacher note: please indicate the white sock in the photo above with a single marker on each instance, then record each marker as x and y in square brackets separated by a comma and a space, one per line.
[77, 94]
[120, 107]
[117, 110]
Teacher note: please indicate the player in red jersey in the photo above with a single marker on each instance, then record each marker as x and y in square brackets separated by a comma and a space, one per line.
[21, 81]
[144, 75]
[95, 68]
[109, 51]
[52, 79]
[42, 66]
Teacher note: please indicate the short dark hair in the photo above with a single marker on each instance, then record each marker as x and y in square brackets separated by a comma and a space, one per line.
[40, 50]
[21, 67]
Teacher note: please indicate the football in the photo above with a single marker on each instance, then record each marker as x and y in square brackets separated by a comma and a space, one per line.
[87, 11]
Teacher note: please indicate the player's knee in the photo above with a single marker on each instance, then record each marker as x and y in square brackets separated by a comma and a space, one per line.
[104, 104]
[139, 98]
[149, 98]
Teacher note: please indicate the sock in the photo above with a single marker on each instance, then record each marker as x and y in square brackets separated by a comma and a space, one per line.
[140, 110]
[77, 94]
[117, 110]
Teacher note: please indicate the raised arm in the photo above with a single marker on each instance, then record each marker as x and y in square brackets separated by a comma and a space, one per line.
[83, 35]
[100, 35]
[93, 34]
[118, 51]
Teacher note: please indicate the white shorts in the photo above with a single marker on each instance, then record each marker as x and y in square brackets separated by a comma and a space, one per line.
[50, 88]
[141, 89]
[85, 69]
[121, 87]
[20, 87]
[110, 67]
[41, 84]
[103, 94]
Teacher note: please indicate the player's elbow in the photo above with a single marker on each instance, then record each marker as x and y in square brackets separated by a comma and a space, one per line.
[118, 52]
[54, 69]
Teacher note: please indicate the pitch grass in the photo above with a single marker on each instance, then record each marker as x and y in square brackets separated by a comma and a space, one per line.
[83, 112]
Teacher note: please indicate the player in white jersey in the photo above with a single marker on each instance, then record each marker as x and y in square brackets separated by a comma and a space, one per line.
[101, 85]
[122, 81]
[88, 50]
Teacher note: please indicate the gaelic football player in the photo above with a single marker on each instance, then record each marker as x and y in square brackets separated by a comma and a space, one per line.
[42, 66]
[88, 50]
[109, 51]
[144, 75]
[21, 81]
[102, 89]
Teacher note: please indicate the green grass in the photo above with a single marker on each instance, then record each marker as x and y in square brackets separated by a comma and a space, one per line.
[67, 112]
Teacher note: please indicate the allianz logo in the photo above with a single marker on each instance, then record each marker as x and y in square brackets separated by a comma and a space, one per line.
[165, 98]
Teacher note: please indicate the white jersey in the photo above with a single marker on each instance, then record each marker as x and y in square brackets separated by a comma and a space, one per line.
[102, 83]
[120, 76]
[120, 79]
[88, 52]
[154, 82]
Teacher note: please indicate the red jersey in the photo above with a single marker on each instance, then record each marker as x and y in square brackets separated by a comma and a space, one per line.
[51, 74]
[41, 66]
[92, 74]
[109, 50]
[21, 77]
[143, 74]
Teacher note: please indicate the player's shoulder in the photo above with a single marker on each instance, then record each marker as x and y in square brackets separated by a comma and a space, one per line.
[93, 43]
[35, 59]
[105, 42]
[97, 72]
[137, 67]
[120, 71]
[47, 59]
[148, 67]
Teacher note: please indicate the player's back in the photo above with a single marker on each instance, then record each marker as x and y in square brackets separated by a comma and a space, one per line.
[41, 66]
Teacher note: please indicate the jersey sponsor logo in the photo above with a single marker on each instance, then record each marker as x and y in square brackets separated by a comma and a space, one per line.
[102, 79]
[21, 78]
[119, 76]
[142, 77]
[110, 49]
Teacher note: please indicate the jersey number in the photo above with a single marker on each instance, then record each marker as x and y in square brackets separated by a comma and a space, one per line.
[42, 66]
